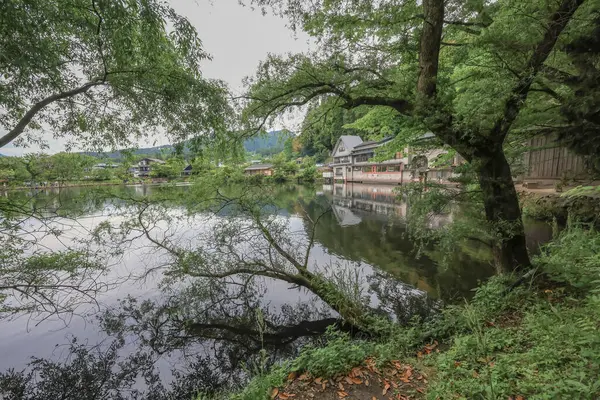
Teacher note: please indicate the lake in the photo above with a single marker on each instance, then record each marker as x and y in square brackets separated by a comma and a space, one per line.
[361, 237]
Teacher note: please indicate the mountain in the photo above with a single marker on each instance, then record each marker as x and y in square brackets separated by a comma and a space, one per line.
[269, 143]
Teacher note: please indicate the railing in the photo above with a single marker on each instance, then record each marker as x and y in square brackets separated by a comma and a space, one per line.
[327, 174]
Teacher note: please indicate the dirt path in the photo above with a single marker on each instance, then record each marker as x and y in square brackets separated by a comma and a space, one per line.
[396, 381]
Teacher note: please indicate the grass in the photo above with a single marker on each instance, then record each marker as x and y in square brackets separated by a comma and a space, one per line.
[538, 341]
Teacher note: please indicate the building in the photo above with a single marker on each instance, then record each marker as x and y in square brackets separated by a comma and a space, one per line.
[259, 169]
[353, 161]
[105, 166]
[187, 171]
[144, 167]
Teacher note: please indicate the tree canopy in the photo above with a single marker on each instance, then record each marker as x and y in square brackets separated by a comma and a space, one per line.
[103, 73]
[472, 73]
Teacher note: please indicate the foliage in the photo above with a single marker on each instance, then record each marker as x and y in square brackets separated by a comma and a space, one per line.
[322, 127]
[338, 356]
[104, 73]
[574, 257]
[171, 169]
[523, 342]
[455, 69]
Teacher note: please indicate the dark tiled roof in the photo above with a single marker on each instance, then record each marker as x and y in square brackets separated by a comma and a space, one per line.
[259, 166]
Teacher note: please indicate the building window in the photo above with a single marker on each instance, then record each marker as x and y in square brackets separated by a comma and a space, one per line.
[357, 169]
[338, 172]
[366, 169]
[363, 157]
[393, 168]
[381, 168]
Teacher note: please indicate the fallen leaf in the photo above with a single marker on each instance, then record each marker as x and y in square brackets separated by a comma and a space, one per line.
[419, 354]
[520, 398]
[274, 393]
[323, 385]
[291, 376]
[420, 390]
[386, 388]
[349, 381]
[357, 371]
[373, 398]
[357, 381]
[367, 383]
[342, 394]
[318, 380]
[283, 396]
[303, 377]
[342, 388]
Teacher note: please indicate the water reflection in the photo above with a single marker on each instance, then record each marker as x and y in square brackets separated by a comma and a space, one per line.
[221, 324]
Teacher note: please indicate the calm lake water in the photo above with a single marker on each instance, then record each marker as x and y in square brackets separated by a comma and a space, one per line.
[364, 234]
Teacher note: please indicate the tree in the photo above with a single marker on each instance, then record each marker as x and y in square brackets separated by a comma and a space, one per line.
[171, 169]
[13, 169]
[68, 166]
[103, 72]
[470, 72]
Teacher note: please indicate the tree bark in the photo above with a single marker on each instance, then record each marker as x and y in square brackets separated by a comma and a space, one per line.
[429, 51]
[502, 210]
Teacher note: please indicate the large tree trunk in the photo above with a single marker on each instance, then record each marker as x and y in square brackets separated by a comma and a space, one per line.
[502, 210]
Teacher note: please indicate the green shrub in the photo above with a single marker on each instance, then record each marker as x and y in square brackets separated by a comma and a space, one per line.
[574, 258]
[339, 356]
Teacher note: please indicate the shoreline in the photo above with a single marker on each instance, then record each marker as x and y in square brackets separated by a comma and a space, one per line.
[17, 188]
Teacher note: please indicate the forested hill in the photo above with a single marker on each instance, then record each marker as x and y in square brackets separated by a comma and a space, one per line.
[269, 143]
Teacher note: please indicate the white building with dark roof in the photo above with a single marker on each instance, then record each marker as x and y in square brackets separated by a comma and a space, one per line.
[353, 161]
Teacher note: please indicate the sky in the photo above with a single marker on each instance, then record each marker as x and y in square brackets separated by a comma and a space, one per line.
[236, 37]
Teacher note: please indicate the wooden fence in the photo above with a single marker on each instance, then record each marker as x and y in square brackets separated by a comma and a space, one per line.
[548, 160]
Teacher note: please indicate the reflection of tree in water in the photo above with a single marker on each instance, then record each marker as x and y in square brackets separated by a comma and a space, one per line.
[215, 334]
[399, 300]
[384, 243]
[214, 317]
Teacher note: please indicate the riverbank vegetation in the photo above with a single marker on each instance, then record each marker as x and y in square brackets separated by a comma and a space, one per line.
[535, 340]
[477, 79]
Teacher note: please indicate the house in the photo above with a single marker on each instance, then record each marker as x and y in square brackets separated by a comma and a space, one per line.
[187, 171]
[144, 167]
[105, 166]
[353, 162]
[259, 169]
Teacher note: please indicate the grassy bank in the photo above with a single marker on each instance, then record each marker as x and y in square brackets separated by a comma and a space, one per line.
[537, 341]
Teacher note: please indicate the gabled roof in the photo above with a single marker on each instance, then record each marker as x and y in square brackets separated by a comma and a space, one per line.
[349, 142]
[259, 166]
[188, 168]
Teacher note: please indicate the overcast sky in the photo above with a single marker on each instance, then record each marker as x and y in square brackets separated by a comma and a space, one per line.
[236, 37]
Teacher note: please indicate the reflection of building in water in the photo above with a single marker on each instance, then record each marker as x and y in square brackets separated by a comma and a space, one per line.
[356, 196]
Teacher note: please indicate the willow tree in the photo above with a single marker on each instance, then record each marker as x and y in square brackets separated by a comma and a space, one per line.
[471, 72]
[97, 74]
[102, 73]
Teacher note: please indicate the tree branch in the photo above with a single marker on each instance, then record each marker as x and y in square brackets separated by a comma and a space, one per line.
[37, 107]
[557, 24]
